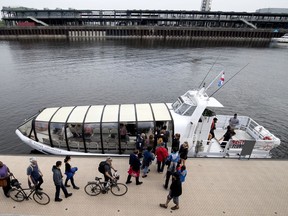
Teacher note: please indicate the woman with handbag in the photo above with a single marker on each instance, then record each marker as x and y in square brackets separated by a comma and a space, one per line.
[5, 178]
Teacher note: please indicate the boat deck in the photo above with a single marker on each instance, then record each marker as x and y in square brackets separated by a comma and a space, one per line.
[212, 187]
[214, 147]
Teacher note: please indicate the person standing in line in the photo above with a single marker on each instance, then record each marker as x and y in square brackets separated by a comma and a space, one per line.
[176, 142]
[150, 142]
[164, 137]
[173, 160]
[182, 173]
[140, 144]
[134, 169]
[58, 182]
[5, 179]
[161, 154]
[174, 193]
[183, 152]
[167, 135]
[156, 136]
[70, 172]
[234, 122]
[35, 176]
[148, 157]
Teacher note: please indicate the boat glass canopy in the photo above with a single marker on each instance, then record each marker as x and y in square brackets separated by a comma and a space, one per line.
[98, 128]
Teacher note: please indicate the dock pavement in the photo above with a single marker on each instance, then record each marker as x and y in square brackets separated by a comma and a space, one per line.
[212, 187]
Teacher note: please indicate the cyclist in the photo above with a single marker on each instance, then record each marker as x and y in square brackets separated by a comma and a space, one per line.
[34, 174]
[107, 170]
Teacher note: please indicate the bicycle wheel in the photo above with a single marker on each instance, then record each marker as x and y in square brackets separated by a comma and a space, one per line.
[16, 195]
[41, 198]
[92, 189]
[119, 189]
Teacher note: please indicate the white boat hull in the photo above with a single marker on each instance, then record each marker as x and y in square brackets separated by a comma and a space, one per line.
[96, 130]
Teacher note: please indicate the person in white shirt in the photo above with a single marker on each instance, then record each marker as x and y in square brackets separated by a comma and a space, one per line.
[234, 122]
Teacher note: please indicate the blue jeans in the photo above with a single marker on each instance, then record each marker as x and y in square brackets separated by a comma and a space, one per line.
[145, 170]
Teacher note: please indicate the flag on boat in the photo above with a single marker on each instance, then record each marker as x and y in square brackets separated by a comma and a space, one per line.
[221, 81]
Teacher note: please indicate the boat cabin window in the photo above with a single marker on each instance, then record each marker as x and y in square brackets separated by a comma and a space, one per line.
[190, 111]
[110, 137]
[177, 104]
[41, 130]
[74, 133]
[92, 137]
[128, 139]
[57, 134]
[183, 108]
[26, 128]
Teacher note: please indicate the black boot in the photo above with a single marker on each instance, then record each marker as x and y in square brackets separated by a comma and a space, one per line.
[66, 183]
[128, 179]
[73, 184]
[137, 181]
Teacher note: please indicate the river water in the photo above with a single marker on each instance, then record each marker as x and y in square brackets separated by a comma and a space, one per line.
[38, 74]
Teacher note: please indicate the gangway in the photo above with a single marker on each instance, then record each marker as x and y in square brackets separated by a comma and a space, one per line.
[248, 23]
[38, 21]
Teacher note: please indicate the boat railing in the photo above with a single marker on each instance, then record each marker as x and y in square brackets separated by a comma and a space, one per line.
[248, 125]
[223, 121]
[233, 148]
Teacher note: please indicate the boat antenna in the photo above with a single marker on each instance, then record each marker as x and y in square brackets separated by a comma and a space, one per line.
[209, 71]
[229, 79]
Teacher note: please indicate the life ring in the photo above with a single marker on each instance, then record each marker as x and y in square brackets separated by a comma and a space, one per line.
[267, 138]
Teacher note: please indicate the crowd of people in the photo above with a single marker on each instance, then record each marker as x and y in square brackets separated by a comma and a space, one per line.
[139, 163]
[147, 149]
[35, 177]
[156, 147]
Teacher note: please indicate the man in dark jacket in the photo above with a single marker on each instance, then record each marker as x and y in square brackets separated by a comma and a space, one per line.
[174, 193]
[57, 178]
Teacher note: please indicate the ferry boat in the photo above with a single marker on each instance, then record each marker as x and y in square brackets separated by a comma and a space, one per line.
[283, 39]
[96, 129]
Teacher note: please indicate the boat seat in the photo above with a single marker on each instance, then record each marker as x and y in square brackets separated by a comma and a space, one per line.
[92, 145]
[46, 141]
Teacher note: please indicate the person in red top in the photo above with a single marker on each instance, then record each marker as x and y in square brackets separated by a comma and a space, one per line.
[161, 154]
[213, 127]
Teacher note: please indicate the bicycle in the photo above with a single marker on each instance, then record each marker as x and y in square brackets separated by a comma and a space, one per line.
[18, 194]
[94, 188]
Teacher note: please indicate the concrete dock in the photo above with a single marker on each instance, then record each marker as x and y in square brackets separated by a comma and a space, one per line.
[212, 187]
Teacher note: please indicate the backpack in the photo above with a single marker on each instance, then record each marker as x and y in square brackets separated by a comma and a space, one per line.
[101, 167]
[173, 158]
[172, 167]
